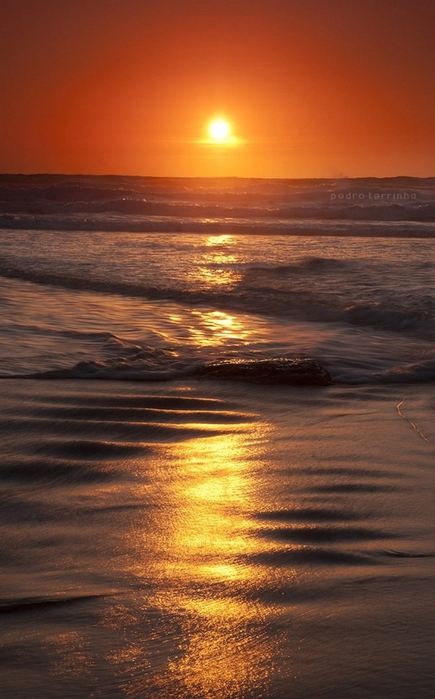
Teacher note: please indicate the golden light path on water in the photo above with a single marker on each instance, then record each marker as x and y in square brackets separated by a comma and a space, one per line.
[219, 654]
[214, 267]
[195, 559]
[218, 327]
[214, 327]
[206, 535]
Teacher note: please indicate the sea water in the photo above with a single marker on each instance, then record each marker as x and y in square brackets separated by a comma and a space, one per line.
[364, 307]
[166, 536]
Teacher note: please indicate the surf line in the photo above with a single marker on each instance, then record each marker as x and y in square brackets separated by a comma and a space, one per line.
[414, 425]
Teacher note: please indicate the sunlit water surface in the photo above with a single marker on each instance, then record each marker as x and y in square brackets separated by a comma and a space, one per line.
[187, 539]
[207, 541]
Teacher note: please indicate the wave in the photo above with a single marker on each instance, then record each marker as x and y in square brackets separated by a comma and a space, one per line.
[314, 534]
[272, 370]
[416, 372]
[311, 556]
[311, 263]
[306, 207]
[61, 472]
[339, 224]
[270, 290]
[164, 369]
[194, 210]
[34, 604]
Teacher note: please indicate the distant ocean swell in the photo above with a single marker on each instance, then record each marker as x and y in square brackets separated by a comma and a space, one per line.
[405, 206]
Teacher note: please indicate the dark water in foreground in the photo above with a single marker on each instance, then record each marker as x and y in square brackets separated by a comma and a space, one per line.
[205, 540]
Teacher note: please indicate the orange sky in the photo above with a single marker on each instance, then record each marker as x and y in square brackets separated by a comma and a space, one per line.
[313, 88]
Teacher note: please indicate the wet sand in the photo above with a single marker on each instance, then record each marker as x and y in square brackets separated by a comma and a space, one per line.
[201, 539]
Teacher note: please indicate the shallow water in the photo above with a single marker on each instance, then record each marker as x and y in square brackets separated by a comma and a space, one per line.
[209, 539]
[149, 303]
[173, 537]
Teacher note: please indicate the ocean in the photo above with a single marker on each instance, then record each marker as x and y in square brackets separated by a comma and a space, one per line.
[171, 536]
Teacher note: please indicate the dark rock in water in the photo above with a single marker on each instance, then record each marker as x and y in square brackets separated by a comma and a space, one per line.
[279, 370]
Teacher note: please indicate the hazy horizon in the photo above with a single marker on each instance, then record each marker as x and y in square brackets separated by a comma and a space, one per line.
[211, 177]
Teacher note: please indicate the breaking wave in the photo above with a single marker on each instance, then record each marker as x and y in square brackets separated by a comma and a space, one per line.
[134, 362]
[304, 290]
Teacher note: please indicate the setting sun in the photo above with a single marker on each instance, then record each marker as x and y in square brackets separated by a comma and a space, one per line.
[220, 133]
[219, 129]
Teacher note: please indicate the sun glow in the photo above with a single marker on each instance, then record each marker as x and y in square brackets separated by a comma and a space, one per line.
[219, 129]
[219, 132]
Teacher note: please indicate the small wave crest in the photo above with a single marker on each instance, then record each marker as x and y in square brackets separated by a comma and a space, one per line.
[323, 223]
[35, 604]
[62, 472]
[340, 370]
[310, 263]
[417, 372]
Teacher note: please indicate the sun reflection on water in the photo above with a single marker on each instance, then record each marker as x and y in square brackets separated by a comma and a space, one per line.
[217, 327]
[225, 239]
[217, 266]
[220, 653]
[212, 501]
[202, 539]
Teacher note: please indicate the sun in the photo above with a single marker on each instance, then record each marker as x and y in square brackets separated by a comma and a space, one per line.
[219, 130]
